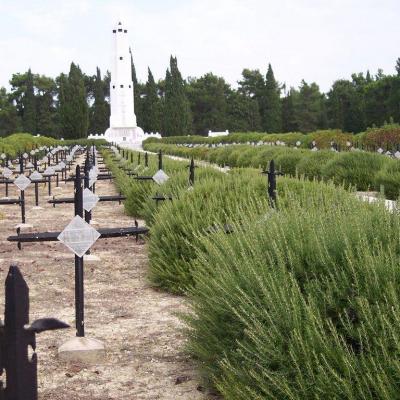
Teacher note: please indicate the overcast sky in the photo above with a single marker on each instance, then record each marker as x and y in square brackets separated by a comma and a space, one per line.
[315, 40]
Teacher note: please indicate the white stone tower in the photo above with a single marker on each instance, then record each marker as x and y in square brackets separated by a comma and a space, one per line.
[123, 128]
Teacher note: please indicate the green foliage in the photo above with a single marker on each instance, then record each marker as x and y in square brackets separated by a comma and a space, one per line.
[389, 179]
[29, 114]
[309, 108]
[20, 142]
[9, 121]
[99, 112]
[356, 169]
[177, 115]
[74, 110]
[299, 304]
[313, 163]
[152, 107]
[214, 201]
[270, 104]
[208, 100]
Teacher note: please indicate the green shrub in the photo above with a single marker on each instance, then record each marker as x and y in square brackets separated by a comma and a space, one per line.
[389, 178]
[356, 169]
[311, 165]
[287, 161]
[300, 304]
[211, 202]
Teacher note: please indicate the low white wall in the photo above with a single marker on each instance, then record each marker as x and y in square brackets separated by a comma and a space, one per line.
[216, 134]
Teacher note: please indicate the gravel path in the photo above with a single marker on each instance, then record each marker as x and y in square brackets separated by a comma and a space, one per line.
[145, 358]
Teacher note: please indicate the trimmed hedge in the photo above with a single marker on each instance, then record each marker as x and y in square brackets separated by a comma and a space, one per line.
[387, 137]
[356, 169]
[20, 142]
[299, 301]
[300, 304]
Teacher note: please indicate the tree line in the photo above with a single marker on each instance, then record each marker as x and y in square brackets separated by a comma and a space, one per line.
[74, 105]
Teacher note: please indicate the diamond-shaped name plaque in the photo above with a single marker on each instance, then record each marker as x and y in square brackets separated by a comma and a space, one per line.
[78, 236]
[49, 171]
[25, 155]
[35, 176]
[3, 156]
[7, 172]
[160, 177]
[90, 199]
[22, 182]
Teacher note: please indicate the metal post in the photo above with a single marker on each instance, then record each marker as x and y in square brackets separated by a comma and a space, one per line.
[21, 170]
[272, 183]
[79, 293]
[88, 214]
[7, 160]
[191, 172]
[146, 159]
[138, 159]
[160, 160]
[131, 158]
[23, 206]
[36, 184]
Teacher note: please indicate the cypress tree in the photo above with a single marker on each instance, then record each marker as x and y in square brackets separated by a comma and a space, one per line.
[99, 111]
[77, 110]
[73, 107]
[177, 115]
[289, 121]
[62, 82]
[151, 106]
[45, 105]
[137, 100]
[29, 106]
[398, 66]
[271, 104]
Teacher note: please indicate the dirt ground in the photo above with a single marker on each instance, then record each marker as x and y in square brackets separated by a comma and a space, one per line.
[137, 324]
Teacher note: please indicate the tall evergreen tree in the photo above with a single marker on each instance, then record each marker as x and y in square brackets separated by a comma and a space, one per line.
[271, 104]
[243, 113]
[345, 107]
[208, 100]
[9, 121]
[308, 107]
[151, 106]
[289, 121]
[45, 109]
[62, 106]
[99, 114]
[74, 110]
[398, 66]
[29, 116]
[137, 89]
[177, 115]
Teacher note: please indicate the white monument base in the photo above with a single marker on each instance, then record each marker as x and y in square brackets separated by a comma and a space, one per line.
[125, 137]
